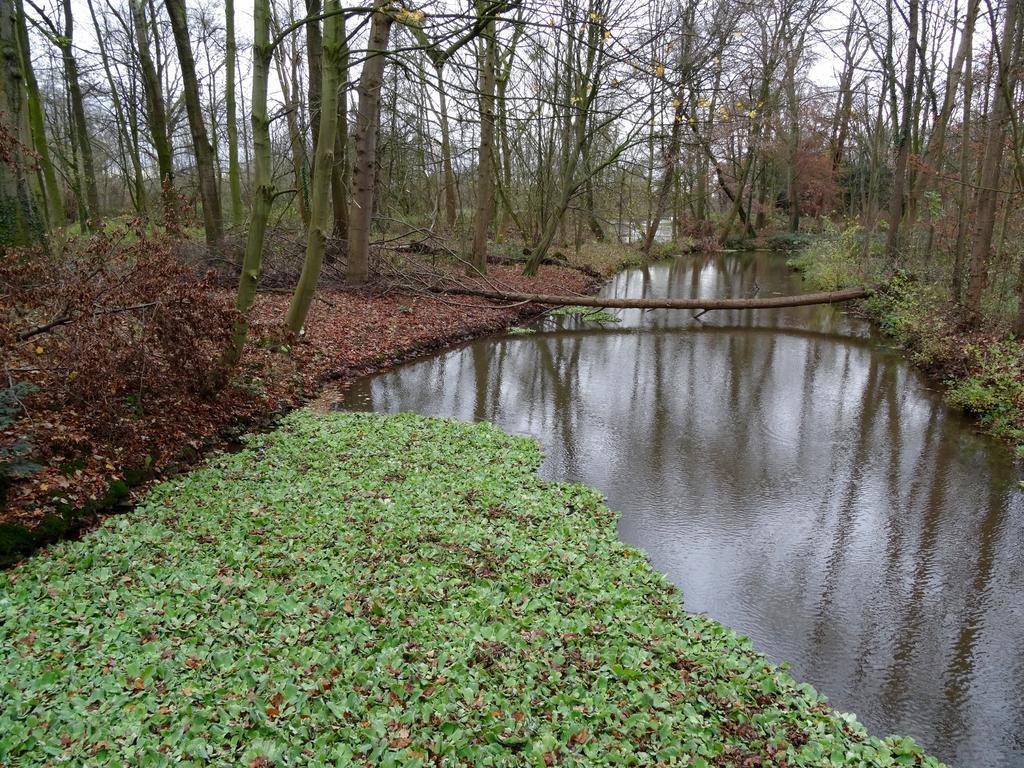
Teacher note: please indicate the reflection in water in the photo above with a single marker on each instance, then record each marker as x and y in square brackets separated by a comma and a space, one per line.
[795, 478]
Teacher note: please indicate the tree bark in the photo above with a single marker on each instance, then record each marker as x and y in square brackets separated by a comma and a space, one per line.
[364, 168]
[20, 223]
[213, 222]
[234, 170]
[314, 59]
[485, 156]
[340, 177]
[320, 222]
[987, 198]
[156, 113]
[448, 174]
[263, 179]
[66, 44]
[33, 104]
[667, 176]
[772, 302]
[897, 202]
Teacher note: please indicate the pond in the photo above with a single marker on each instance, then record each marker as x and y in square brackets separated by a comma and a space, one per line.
[794, 476]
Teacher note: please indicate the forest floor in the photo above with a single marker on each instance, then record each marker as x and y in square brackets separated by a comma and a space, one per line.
[349, 333]
[386, 590]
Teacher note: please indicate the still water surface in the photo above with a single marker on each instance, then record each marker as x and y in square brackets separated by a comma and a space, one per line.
[798, 480]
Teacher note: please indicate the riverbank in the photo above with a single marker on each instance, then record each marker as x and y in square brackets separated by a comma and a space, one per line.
[89, 469]
[981, 370]
[356, 588]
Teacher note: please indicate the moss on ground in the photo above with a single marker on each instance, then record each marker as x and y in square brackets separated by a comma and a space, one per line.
[394, 591]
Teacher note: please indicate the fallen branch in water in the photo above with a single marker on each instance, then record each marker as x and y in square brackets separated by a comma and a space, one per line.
[772, 302]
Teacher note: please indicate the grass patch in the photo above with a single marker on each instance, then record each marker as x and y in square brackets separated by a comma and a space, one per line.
[393, 591]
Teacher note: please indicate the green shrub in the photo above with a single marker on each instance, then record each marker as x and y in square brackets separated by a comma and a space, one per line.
[907, 310]
[994, 392]
[789, 241]
[834, 260]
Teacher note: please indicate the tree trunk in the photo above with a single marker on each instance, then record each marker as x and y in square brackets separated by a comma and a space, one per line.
[793, 110]
[296, 136]
[841, 119]
[667, 176]
[340, 177]
[314, 59]
[156, 113]
[120, 120]
[768, 302]
[485, 157]
[263, 179]
[234, 171]
[203, 151]
[448, 174]
[320, 222]
[593, 224]
[897, 195]
[33, 105]
[364, 168]
[92, 195]
[963, 198]
[987, 198]
[937, 142]
[20, 223]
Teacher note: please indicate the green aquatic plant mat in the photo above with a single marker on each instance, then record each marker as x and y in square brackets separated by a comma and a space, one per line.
[392, 591]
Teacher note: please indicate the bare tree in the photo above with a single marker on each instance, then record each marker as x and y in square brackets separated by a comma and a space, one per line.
[201, 148]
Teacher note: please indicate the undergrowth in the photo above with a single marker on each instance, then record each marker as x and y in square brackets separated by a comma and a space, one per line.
[357, 589]
[982, 371]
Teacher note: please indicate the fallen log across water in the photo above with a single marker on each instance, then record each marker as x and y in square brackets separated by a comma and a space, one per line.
[769, 302]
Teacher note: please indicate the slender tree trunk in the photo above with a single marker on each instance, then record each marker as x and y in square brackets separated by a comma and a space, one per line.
[296, 135]
[203, 151]
[503, 169]
[120, 120]
[485, 157]
[320, 223]
[792, 170]
[234, 171]
[33, 105]
[937, 142]
[667, 176]
[987, 199]
[841, 121]
[364, 167]
[263, 179]
[92, 195]
[593, 224]
[20, 222]
[340, 177]
[448, 173]
[156, 113]
[897, 200]
[963, 198]
[314, 59]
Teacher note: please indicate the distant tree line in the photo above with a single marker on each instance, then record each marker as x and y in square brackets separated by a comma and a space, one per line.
[543, 123]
